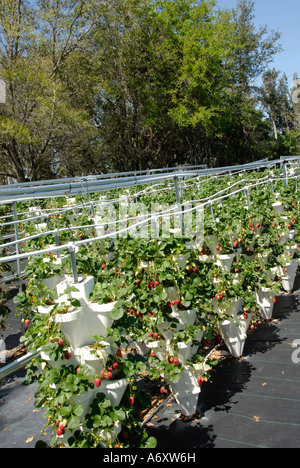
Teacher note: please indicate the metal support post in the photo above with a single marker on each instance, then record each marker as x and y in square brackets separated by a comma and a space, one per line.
[178, 201]
[92, 210]
[211, 209]
[284, 174]
[56, 235]
[71, 247]
[16, 239]
[247, 195]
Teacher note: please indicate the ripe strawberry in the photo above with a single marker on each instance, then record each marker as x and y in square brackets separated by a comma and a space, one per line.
[200, 380]
[67, 356]
[152, 354]
[131, 400]
[62, 425]
[61, 342]
[97, 382]
[27, 322]
[60, 432]
[115, 365]
[176, 361]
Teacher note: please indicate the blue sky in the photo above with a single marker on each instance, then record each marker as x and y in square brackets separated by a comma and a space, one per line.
[282, 16]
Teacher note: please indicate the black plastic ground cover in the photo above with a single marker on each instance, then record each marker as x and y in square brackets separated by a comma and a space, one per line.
[253, 402]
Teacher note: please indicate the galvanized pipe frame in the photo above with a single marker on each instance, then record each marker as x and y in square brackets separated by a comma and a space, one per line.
[71, 228]
[110, 175]
[124, 230]
[11, 193]
[22, 362]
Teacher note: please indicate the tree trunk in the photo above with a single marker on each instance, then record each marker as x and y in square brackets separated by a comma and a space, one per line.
[12, 150]
[275, 129]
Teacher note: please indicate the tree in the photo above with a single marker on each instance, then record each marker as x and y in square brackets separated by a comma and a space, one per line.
[39, 119]
[276, 100]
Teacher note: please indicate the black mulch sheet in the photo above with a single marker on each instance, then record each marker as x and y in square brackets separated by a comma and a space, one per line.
[253, 402]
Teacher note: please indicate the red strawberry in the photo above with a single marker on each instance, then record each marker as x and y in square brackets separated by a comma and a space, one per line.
[175, 362]
[97, 382]
[131, 400]
[61, 342]
[27, 322]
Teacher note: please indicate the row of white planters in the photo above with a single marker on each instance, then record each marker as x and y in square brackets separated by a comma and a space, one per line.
[78, 327]
[186, 390]
[234, 332]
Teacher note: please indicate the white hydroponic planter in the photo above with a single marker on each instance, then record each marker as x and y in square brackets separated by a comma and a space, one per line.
[264, 299]
[278, 207]
[114, 390]
[60, 362]
[85, 287]
[93, 360]
[182, 260]
[225, 261]
[158, 347]
[271, 274]
[52, 282]
[288, 277]
[70, 325]
[233, 309]
[184, 351]
[184, 317]
[172, 295]
[96, 318]
[141, 347]
[291, 250]
[291, 234]
[80, 325]
[234, 334]
[110, 435]
[85, 400]
[186, 390]
[238, 278]
[212, 242]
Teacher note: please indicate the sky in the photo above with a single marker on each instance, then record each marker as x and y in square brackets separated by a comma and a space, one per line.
[282, 16]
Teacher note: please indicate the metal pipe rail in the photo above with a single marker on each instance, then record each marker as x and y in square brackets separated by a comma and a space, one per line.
[13, 193]
[22, 362]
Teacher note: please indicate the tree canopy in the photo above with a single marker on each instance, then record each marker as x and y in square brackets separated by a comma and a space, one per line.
[116, 85]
